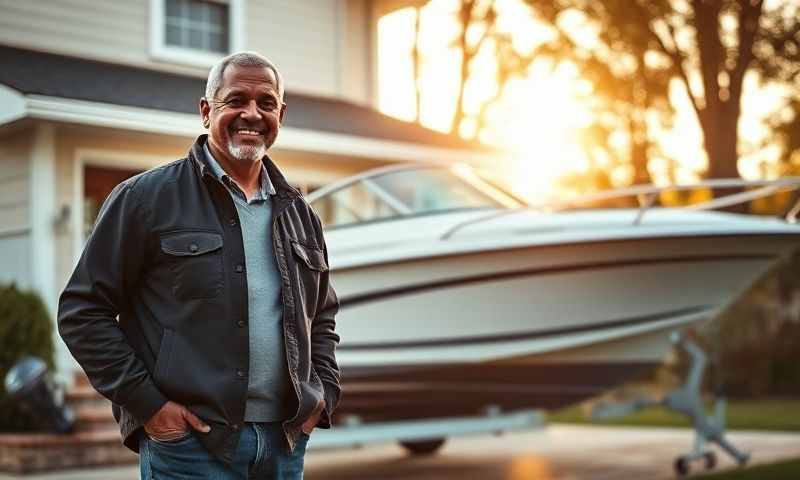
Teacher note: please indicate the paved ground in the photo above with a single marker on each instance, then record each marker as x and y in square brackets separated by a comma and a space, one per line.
[557, 452]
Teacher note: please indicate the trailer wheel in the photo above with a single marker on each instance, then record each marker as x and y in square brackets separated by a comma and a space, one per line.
[711, 460]
[682, 466]
[423, 447]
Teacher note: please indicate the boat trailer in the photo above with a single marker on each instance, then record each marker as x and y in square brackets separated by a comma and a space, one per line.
[688, 401]
[423, 437]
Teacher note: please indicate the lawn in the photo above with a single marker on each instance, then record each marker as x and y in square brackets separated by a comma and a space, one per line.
[789, 470]
[762, 414]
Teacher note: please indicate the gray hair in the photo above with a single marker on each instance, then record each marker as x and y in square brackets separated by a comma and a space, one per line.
[241, 59]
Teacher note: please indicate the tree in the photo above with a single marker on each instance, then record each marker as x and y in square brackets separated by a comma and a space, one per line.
[707, 45]
[478, 30]
[787, 131]
[626, 96]
[627, 86]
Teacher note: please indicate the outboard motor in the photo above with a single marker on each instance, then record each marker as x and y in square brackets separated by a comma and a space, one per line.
[28, 385]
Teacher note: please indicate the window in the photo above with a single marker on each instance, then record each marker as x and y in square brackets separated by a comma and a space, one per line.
[355, 204]
[195, 32]
[408, 192]
[198, 25]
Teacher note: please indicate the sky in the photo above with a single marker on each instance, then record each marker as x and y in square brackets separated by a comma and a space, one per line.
[540, 117]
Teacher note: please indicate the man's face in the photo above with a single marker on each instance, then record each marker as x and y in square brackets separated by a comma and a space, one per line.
[244, 117]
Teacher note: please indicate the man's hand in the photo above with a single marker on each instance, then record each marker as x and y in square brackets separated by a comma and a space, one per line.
[313, 420]
[172, 422]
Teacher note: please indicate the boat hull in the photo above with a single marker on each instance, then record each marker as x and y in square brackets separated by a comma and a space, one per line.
[536, 326]
[377, 394]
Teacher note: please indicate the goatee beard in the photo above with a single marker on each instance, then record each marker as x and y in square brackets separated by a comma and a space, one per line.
[247, 153]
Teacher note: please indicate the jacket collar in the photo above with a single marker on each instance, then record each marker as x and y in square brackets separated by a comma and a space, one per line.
[283, 190]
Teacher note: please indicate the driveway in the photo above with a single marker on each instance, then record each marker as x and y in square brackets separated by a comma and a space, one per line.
[556, 452]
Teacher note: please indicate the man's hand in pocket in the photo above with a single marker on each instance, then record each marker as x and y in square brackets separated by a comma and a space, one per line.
[313, 420]
[172, 422]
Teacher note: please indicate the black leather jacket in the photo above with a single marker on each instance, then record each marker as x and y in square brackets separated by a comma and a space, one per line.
[166, 256]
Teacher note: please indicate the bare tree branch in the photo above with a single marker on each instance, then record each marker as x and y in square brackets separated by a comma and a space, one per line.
[709, 45]
[749, 17]
[677, 58]
[416, 58]
[491, 20]
[465, 14]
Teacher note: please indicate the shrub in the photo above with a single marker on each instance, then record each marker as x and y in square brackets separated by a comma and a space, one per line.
[25, 329]
[754, 346]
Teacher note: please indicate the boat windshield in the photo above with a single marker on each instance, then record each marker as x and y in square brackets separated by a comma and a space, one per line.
[406, 192]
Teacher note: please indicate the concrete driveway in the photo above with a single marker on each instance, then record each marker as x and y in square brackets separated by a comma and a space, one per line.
[556, 452]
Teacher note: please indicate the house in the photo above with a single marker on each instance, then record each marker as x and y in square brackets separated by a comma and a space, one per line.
[94, 92]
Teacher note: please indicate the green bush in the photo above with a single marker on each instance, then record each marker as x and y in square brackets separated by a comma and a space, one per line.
[754, 346]
[25, 329]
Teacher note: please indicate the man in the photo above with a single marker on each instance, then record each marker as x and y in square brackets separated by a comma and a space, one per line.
[221, 361]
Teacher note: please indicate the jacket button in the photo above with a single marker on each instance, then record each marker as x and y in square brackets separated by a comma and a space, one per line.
[232, 222]
[240, 323]
[239, 269]
[234, 427]
[240, 373]
[193, 248]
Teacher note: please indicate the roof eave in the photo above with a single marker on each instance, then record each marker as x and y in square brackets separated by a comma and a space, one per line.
[15, 106]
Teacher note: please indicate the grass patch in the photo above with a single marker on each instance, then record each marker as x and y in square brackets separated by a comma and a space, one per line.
[788, 470]
[762, 414]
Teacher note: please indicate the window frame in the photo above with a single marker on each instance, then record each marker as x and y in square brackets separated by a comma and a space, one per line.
[159, 50]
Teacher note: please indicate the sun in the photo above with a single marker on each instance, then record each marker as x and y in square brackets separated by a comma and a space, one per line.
[538, 118]
[542, 119]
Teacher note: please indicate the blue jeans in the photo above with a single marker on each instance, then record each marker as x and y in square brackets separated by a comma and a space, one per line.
[261, 454]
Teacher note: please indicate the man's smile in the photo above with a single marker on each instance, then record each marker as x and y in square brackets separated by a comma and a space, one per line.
[248, 131]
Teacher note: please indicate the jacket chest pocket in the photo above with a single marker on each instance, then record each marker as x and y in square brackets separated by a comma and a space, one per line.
[195, 259]
[310, 263]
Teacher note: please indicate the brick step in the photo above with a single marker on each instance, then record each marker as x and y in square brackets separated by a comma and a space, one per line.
[80, 397]
[92, 410]
[38, 452]
[90, 419]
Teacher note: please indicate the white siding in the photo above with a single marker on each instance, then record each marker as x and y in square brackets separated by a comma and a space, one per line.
[15, 258]
[114, 30]
[302, 38]
[320, 46]
[356, 54]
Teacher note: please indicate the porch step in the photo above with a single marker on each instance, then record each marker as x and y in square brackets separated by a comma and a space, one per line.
[84, 397]
[92, 419]
[37, 452]
[95, 442]
[92, 410]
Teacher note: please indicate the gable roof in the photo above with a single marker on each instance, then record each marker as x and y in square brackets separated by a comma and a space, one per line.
[47, 74]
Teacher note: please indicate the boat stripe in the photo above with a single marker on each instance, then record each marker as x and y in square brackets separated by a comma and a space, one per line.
[623, 322]
[570, 244]
[353, 300]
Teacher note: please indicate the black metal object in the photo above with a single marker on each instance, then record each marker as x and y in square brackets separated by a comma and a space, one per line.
[28, 385]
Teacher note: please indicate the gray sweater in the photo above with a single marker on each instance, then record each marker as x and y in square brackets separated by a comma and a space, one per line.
[269, 387]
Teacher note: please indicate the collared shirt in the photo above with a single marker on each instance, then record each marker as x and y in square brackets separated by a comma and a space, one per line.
[266, 187]
[269, 388]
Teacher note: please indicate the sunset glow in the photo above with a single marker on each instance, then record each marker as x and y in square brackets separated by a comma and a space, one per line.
[540, 118]
[537, 118]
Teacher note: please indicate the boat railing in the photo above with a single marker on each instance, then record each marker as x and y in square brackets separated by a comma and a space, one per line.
[647, 195]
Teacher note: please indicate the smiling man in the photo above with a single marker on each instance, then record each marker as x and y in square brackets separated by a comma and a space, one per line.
[202, 307]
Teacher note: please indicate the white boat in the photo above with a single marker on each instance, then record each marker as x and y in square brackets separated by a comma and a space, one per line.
[457, 297]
